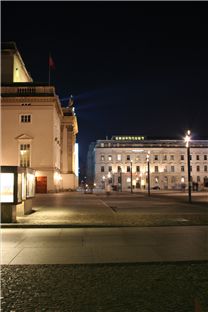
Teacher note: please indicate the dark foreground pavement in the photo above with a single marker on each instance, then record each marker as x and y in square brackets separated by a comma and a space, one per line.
[162, 287]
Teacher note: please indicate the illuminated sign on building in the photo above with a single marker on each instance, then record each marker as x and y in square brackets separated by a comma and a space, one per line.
[128, 138]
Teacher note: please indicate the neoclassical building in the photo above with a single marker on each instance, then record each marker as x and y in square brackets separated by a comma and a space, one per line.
[122, 160]
[36, 131]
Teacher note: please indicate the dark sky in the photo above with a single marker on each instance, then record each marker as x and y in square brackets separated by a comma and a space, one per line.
[133, 67]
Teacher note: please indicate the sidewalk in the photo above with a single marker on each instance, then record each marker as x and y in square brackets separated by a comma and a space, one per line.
[104, 245]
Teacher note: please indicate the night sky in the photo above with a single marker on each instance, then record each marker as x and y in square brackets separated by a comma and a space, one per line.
[133, 67]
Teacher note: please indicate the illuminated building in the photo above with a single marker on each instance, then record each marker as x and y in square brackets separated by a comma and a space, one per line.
[109, 162]
[36, 131]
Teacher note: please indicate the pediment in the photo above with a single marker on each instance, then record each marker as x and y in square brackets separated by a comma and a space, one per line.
[24, 136]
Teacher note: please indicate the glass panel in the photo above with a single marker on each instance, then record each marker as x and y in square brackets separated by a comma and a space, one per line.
[7, 188]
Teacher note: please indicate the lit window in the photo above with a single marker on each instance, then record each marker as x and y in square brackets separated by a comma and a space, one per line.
[102, 157]
[102, 144]
[24, 155]
[109, 157]
[137, 158]
[25, 118]
[119, 157]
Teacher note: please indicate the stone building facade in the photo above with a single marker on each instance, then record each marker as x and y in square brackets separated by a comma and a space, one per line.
[36, 131]
[112, 161]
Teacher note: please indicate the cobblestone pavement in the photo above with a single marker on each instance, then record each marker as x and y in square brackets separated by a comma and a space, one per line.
[75, 208]
[160, 287]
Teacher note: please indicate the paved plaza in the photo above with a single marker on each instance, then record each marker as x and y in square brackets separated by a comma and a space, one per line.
[118, 209]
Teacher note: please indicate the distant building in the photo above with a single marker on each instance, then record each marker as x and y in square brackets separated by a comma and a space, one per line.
[36, 131]
[111, 162]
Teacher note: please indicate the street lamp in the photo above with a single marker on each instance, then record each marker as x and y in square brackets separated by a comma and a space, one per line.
[131, 177]
[187, 139]
[120, 180]
[148, 171]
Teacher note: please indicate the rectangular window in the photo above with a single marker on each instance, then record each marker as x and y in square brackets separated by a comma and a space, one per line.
[102, 169]
[197, 157]
[205, 157]
[119, 157]
[102, 157]
[198, 168]
[165, 157]
[205, 168]
[198, 178]
[128, 157]
[156, 157]
[128, 169]
[25, 118]
[24, 155]
[173, 179]
[190, 157]
[171, 157]
[172, 168]
[156, 168]
[109, 157]
[110, 168]
[119, 168]
[182, 157]
[182, 168]
[138, 168]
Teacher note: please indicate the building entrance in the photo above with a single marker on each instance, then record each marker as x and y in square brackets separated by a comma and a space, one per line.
[41, 184]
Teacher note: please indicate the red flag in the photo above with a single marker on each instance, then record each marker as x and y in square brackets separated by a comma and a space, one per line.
[51, 62]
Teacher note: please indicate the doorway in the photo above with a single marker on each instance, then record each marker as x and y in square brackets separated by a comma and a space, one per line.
[41, 184]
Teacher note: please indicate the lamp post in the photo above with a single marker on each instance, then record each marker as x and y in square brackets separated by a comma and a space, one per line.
[131, 177]
[187, 140]
[121, 178]
[148, 172]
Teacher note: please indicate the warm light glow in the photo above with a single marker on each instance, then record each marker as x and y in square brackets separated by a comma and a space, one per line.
[7, 187]
[103, 177]
[109, 175]
[57, 177]
[128, 180]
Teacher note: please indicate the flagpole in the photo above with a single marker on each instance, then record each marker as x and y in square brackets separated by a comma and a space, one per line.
[49, 71]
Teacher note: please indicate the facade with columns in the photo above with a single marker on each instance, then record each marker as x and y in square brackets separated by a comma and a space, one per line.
[122, 161]
[36, 131]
